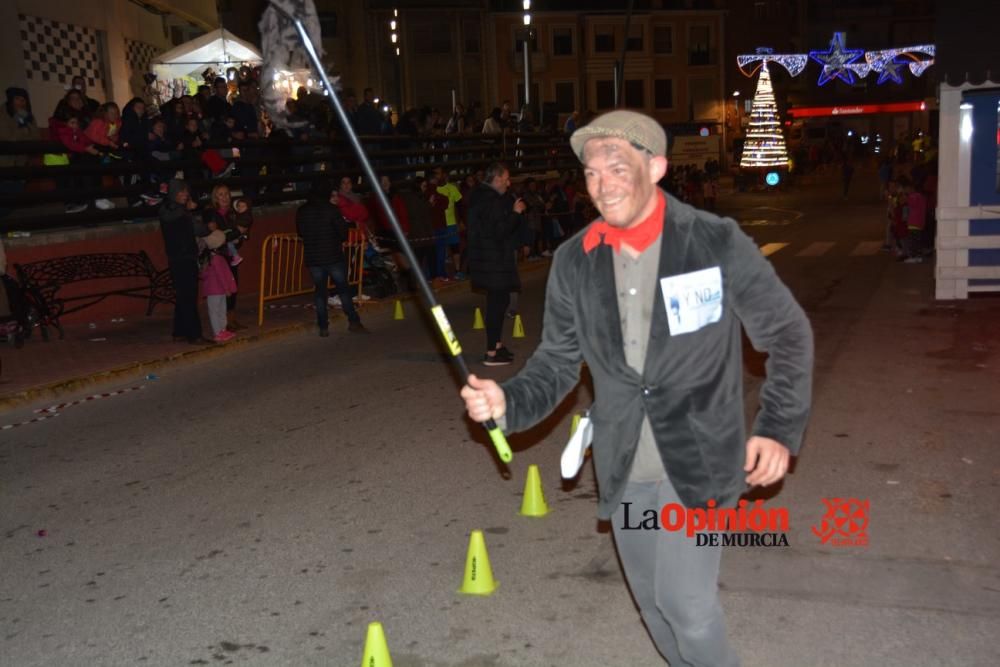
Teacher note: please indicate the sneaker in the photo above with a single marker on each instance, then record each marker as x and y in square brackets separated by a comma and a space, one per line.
[496, 360]
[104, 204]
[223, 336]
[227, 172]
[913, 260]
[357, 327]
[76, 208]
[236, 261]
[505, 353]
[150, 200]
[334, 301]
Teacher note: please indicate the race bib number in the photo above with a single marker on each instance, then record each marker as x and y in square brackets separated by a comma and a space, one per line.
[693, 300]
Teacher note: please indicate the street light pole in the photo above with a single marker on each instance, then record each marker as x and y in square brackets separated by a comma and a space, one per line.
[527, 55]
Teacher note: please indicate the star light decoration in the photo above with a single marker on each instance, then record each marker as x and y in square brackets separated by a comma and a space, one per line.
[836, 60]
[842, 63]
[888, 61]
[793, 62]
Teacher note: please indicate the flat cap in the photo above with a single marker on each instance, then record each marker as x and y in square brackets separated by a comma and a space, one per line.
[633, 127]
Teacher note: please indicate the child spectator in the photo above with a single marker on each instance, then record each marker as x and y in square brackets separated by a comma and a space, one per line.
[916, 219]
[65, 127]
[105, 127]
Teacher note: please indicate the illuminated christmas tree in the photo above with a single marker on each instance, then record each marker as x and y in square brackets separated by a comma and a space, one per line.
[765, 142]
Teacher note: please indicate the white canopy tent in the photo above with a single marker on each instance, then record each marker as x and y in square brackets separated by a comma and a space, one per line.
[219, 49]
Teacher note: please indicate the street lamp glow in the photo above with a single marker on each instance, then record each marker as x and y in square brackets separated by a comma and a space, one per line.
[527, 19]
[527, 5]
[393, 37]
[392, 25]
[736, 93]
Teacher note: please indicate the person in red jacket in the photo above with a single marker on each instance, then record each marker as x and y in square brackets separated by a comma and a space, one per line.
[350, 204]
[64, 127]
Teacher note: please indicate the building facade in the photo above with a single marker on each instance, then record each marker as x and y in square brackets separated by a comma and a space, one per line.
[108, 42]
[673, 63]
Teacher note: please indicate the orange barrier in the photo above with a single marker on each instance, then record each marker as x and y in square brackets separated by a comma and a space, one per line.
[283, 273]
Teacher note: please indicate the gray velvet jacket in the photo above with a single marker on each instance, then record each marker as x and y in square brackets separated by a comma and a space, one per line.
[692, 384]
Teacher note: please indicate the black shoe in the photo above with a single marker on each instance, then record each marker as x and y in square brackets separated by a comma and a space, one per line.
[324, 332]
[200, 341]
[357, 327]
[504, 353]
[496, 360]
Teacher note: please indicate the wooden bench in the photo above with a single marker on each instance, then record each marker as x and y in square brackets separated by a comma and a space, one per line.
[43, 283]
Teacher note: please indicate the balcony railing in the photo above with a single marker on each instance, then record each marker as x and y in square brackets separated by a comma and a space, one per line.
[32, 197]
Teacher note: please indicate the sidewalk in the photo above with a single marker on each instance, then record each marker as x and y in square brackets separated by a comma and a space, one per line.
[103, 350]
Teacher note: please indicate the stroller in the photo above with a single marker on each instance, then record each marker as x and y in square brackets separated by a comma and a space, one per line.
[16, 315]
[380, 271]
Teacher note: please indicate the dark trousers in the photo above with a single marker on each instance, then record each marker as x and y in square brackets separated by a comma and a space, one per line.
[231, 299]
[338, 273]
[496, 309]
[187, 322]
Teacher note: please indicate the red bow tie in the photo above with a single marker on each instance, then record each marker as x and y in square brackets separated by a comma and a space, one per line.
[639, 237]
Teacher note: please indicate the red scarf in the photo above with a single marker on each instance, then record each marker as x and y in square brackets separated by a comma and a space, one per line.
[639, 237]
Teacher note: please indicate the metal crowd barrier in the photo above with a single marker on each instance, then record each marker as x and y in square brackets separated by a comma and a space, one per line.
[283, 273]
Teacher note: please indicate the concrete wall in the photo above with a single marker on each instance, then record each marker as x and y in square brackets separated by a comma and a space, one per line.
[133, 238]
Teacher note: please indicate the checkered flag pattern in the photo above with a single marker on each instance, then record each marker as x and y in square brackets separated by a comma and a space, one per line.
[139, 54]
[56, 52]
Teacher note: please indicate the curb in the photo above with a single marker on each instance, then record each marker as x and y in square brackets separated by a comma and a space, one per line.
[61, 387]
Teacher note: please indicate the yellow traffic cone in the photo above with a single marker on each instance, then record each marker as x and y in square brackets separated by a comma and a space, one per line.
[534, 500]
[518, 327]
[376, 650]
[478, 322]
[478, 573]
[574, 425]
[398, 315]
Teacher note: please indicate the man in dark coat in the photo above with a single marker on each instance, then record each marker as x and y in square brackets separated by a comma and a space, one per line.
[324, 230]
[652, 297]
[494, 222]
[177, 224]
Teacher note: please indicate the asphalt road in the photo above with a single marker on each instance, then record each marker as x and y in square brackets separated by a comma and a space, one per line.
[264, 506]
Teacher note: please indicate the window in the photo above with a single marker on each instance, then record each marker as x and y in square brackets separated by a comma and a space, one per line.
[328, 24]
[663, 94]
[429, 39]
[702, 93]
[470, 36]
[519, 43]
[635, 94]
[634, 41]
[605, 94]
[565, 97]
[520, 95]
[700, 45]
[663, 39]
[562, 41]
[604, 39]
